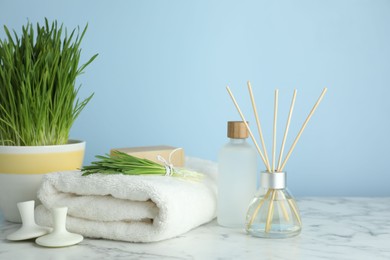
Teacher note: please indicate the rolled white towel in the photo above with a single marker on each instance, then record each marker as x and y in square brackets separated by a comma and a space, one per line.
[130, 208]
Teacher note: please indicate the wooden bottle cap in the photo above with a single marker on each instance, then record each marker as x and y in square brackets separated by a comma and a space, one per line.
[237, 130]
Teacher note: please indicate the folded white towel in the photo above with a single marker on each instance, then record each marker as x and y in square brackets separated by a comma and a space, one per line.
[130, 208]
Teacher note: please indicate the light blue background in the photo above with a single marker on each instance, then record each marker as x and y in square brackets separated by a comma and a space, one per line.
[163, 67]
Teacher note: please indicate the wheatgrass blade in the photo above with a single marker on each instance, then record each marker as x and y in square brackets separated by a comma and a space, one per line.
[38, 71]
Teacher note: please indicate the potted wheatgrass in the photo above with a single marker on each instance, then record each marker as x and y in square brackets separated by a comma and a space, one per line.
[38, 106]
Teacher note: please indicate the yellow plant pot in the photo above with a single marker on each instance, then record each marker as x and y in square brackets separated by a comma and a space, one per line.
[22, 169]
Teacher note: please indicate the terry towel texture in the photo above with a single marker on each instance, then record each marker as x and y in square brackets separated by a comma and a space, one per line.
[130, 208]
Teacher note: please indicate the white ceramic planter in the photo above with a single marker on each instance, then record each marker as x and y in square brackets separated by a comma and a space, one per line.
[22, 169]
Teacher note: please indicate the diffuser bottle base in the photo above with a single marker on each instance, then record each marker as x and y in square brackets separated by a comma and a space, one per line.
[273, 212]
[277, 231]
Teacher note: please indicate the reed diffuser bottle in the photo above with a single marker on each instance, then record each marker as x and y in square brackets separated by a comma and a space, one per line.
[273, 212]
[237, 167]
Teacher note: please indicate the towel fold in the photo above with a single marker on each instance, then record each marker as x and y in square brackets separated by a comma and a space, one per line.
[130, 208]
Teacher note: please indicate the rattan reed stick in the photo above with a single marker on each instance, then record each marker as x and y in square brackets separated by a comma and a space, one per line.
[270, 212]
[258, 124]
[247, 126]
[261, 202]
[294, 209]
[287, 128]
[302, 128]
[274, 129]
[282, 205]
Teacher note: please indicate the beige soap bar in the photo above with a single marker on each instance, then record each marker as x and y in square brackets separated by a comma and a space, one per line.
[151, 152]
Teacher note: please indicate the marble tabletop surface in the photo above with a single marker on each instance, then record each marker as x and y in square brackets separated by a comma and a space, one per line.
[333, 228]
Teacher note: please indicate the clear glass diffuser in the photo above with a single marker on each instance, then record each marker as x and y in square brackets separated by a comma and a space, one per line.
[273, 212]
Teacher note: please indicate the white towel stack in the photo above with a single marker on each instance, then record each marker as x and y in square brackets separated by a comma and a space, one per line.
[130, 208]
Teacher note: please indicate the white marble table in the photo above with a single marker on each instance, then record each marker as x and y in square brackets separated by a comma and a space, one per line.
[333, 228]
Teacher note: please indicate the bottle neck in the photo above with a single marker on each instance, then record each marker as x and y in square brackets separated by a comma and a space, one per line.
[237, 140]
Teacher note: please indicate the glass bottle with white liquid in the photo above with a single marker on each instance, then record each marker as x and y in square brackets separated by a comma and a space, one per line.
[237, 178]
